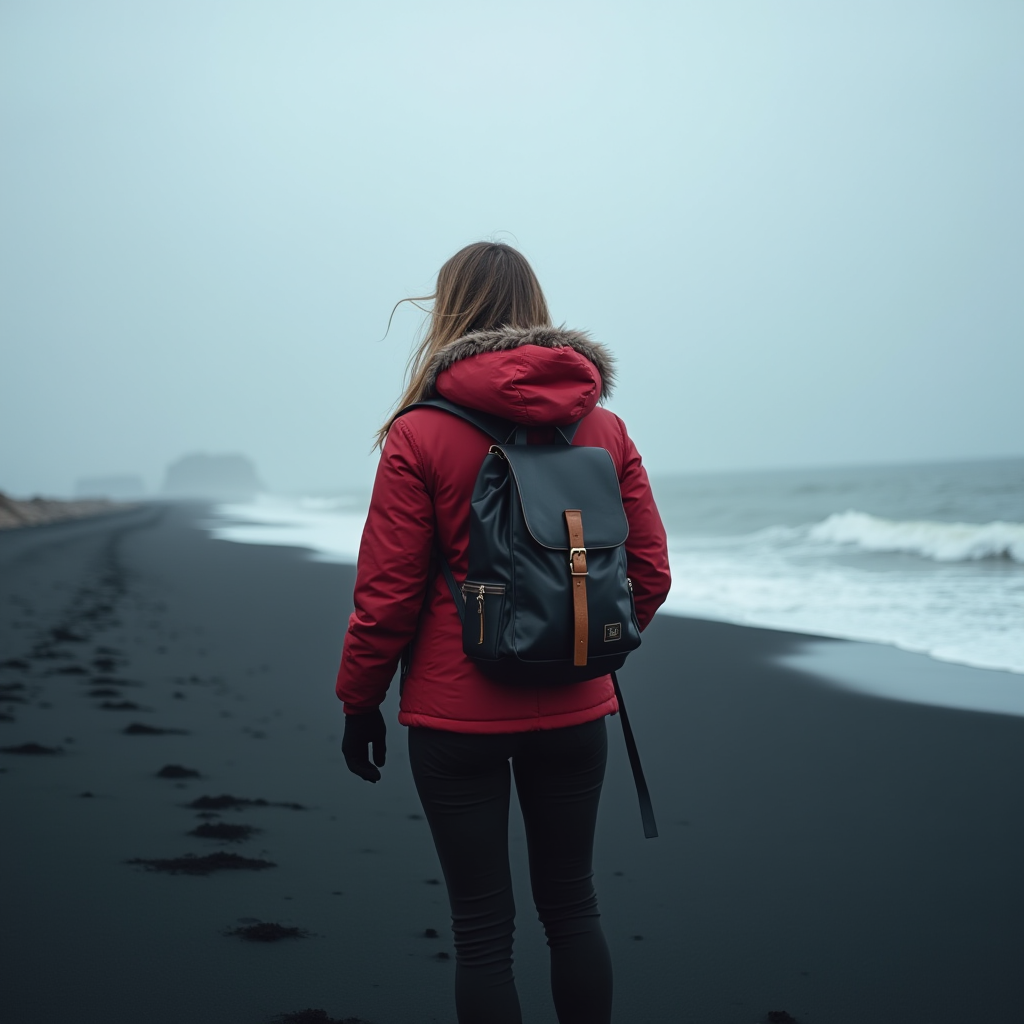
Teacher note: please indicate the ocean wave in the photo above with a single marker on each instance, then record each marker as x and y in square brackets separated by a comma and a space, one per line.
[942, 542]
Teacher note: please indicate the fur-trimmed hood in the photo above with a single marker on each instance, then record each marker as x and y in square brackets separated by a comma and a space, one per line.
[505, 339]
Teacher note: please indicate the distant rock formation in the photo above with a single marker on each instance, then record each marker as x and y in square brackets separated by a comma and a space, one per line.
[214, 477]
[124, 487]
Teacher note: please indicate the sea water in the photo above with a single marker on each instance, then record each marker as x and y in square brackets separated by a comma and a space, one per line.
[928, 558]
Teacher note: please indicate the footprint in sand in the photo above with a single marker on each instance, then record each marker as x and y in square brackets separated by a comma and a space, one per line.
[267, 931]
[141, 729]
[32, 749]
[227, 802]
[177, 771]
[193, 864]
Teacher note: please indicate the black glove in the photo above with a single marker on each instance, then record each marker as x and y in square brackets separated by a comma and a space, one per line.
[360, 732]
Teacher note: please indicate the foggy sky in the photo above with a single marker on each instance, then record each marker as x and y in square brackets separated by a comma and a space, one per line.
[799, 226]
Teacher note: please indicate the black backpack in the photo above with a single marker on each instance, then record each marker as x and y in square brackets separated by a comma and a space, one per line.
[546, 600]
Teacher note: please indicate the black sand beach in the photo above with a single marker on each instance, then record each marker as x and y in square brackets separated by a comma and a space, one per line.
[181, 840]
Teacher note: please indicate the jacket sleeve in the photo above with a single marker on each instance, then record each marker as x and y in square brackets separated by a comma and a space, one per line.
[646, 545]
[391, 574]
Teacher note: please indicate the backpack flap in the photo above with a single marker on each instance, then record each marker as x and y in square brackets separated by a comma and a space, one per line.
[553, 478]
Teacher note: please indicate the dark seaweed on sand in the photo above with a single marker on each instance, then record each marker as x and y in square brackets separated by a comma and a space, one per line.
[225, 831]
[191, 864]
[780, 1017]
[267, 931]
[18, 663]
[31, 748]
[141, 729]
[227, 802]
[64, 635]
[177, 771]
[316, 1017]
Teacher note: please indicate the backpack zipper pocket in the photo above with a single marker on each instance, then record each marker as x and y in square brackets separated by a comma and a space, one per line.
[632, 608]
[480, 591]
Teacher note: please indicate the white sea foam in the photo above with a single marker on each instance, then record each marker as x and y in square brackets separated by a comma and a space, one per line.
[943, 542]
[958, 617]
[969, 612]
[329, 528]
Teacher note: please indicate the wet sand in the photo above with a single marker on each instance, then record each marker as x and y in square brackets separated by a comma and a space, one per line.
[181, 840]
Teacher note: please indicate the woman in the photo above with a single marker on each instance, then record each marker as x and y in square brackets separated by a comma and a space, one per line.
[490, 346]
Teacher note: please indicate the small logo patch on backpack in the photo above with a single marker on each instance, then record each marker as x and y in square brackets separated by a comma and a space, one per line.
[612, 631]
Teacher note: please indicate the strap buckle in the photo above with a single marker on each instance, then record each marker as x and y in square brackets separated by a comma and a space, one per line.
[575, 553]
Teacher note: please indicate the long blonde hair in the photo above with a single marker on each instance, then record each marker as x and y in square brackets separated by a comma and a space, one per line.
[484, 285]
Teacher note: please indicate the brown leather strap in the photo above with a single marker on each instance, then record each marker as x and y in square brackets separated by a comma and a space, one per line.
[578, 568]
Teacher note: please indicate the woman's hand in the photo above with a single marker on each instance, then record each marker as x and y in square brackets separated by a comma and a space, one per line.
[360, 732]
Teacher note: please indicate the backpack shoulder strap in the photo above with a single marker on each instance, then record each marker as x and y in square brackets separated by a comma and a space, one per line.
[495, 427]
[449, 577]
[501, 430]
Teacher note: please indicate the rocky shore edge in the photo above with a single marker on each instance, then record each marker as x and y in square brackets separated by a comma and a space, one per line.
[15, 512]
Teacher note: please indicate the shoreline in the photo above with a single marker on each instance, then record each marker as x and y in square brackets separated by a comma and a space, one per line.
[18, 513]
[834, 855]
[994, 643]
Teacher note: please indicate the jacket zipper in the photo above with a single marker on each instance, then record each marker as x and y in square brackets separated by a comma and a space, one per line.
[480, 589]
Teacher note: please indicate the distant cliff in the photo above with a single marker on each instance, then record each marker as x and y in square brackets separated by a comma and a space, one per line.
[215, 477]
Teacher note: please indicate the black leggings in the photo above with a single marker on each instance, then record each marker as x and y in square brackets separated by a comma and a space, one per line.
[464, 783]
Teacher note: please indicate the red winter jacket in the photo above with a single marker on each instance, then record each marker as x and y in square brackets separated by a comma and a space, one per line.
[538, 377]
